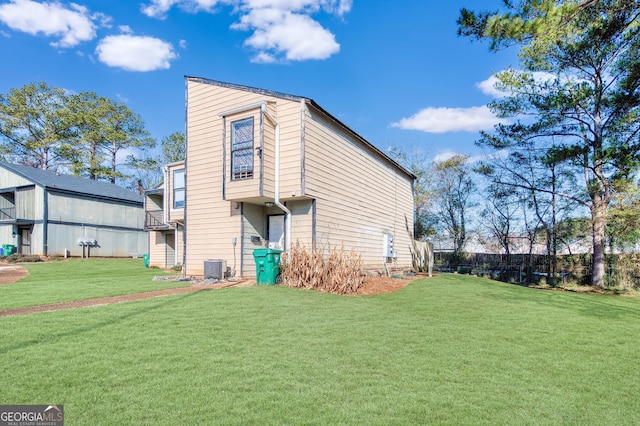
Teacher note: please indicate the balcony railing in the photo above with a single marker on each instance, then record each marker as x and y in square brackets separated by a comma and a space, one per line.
[8, 213]
[154, 219]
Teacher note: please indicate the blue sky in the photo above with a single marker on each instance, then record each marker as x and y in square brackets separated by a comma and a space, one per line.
[393, 71]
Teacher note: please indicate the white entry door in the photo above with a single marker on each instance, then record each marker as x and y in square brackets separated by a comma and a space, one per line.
[276, 232]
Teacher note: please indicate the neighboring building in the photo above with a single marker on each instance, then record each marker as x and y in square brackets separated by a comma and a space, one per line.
[164, 218]
[45, 213]
[270, 169]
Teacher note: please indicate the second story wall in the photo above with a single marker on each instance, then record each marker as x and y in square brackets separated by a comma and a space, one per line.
[29, 202]
[64, 208]
[214, 125]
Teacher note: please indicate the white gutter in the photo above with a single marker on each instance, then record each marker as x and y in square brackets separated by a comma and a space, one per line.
[276, 196]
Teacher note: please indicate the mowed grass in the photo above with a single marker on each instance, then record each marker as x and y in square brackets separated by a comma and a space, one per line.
[447, 350]
[78, 279]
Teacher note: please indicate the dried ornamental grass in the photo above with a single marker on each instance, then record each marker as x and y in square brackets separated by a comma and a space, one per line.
[338, 272]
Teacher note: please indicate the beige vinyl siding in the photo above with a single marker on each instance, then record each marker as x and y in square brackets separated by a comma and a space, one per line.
[163, 246]
[268, 153]
[290, 145]
[211, 224]
[157, 249]
[301, 222]
[154, 202]
[360, 196]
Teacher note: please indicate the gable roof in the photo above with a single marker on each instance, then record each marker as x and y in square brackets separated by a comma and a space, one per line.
[315, 105]
[74, 185]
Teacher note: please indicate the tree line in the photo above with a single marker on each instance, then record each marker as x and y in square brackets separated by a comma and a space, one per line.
[81, 134]
[568, 163]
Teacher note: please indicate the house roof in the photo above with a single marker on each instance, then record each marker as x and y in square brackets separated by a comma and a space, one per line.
[315, 105]
[72, 184]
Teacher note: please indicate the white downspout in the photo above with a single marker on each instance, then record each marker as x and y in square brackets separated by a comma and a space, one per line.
[276, 196]
[175, 244]
[165, 196]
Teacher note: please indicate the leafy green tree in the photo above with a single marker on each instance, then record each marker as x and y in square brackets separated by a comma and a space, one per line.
[576, 98]
[104, 129]
[34, 125]
[623, 224]
[173, 148]
[148, 167]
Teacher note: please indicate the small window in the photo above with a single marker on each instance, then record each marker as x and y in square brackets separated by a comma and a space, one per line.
[178, 189]
[242, 149]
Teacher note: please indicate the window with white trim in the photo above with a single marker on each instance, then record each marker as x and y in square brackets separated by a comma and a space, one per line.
[242, 149]
[178, 189]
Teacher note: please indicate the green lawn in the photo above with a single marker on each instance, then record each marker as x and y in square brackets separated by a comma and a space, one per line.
[78, 279]
[448, 350]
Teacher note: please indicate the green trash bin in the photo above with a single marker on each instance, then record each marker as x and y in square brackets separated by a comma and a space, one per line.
[145, 257]
[8, 249]
[267, 265]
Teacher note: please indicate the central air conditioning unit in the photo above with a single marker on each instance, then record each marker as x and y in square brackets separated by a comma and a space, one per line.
[214, 269]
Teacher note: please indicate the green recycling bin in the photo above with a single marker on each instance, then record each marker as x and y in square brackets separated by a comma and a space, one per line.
[8, 249]
[267, 265]
[145, 257]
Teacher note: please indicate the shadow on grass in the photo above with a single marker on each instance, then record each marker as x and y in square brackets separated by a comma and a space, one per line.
[591, 305]
[93, 327]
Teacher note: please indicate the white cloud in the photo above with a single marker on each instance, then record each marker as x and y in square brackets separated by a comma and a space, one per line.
[447, 153]
[296, 36]
[135, 53]
[444, 120]
[263, 58]
[159, 8]
[72, 25]
[488, 87]
[282, 29]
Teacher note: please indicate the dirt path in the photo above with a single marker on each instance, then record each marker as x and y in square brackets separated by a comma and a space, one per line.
[118, 299]
[11, 274]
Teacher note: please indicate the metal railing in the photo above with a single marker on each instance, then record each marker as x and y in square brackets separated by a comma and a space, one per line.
[154, 219]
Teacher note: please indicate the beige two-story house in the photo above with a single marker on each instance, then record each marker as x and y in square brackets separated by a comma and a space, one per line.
[265, 168]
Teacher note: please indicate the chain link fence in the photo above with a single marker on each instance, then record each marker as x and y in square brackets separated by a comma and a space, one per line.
[621, 270]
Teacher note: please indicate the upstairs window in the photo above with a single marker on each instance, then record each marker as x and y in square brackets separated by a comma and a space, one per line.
[242, 149]
[178, 189]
